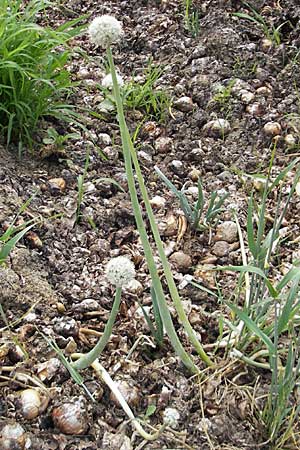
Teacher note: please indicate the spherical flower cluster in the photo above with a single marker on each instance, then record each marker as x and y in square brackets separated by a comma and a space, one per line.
[171, 417]
[105, 30]
[107, 81]
[120, 271]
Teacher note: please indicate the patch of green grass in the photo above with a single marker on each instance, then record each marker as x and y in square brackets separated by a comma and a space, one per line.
[270, 31]
[143, 96]
[34, 81]
[263, 332]
[191, 18]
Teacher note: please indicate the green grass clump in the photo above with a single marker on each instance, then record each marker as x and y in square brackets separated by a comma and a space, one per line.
[34, 81]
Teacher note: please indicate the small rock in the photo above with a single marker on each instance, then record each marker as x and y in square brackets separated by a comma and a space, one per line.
[255, 109]
[290, 140]
[263, 90]
[33, 240]
[272, 128]
[83, 73]
[184, 104]
[206, 274]
[87, 305]
[221, 248]
[176, 166]
[57, 184]
[134, 287]
[217, 128]
[193, 190]
[112, 153]
[129, 392]
[163, 145]
[266, 45]
[194, 174]
[182, 261]
[227, 231]
[144, 157]
[104, 139]
[158, 202]
[89, 187]
[66, 327]
[246, 96]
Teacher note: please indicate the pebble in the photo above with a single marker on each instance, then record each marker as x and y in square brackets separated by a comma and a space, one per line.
[111, 153]
[217, 128]
[184, 104]
[164, 145]
[272, 128]
[66, 327]
[221, 248]
[290, 140]
[194, 174]
[181, 260]
[246, 96]
[227, 231]
[134, 287]
[104, 139]
[57, 184]
[158, 202]
[144, 157]
[255, 109]
[176, 166]
[206, 274]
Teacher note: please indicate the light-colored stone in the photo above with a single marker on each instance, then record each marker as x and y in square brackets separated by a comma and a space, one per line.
[181, 260]
[227, 231]
[221, 248]
[184, 104]
[217, 128]
[272, 128]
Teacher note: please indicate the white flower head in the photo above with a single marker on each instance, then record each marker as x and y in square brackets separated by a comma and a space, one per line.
[120, 271]
[171, 417]
[107, 81]
[105, 30]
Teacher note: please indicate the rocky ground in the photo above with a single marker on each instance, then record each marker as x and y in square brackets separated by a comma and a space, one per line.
[231, 73]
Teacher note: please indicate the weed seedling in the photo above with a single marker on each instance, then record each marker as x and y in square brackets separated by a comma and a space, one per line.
[194, 213]
[191, 18]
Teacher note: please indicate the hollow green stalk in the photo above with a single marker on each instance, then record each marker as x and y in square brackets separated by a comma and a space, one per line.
[87, 359]
[163, 306]
[166, 267]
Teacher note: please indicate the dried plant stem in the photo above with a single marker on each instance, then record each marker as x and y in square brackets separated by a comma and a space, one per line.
[104, 375]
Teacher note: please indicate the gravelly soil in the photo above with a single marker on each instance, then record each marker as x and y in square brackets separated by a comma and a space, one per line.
[56, 274]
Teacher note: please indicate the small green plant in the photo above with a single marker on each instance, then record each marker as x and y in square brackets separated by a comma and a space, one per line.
[143, 95]
[34, 80]
[224, 94]
[272, 33]
[191, 18]
[263, 332]
[14, 233]
[194, 214]
[58, 140]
